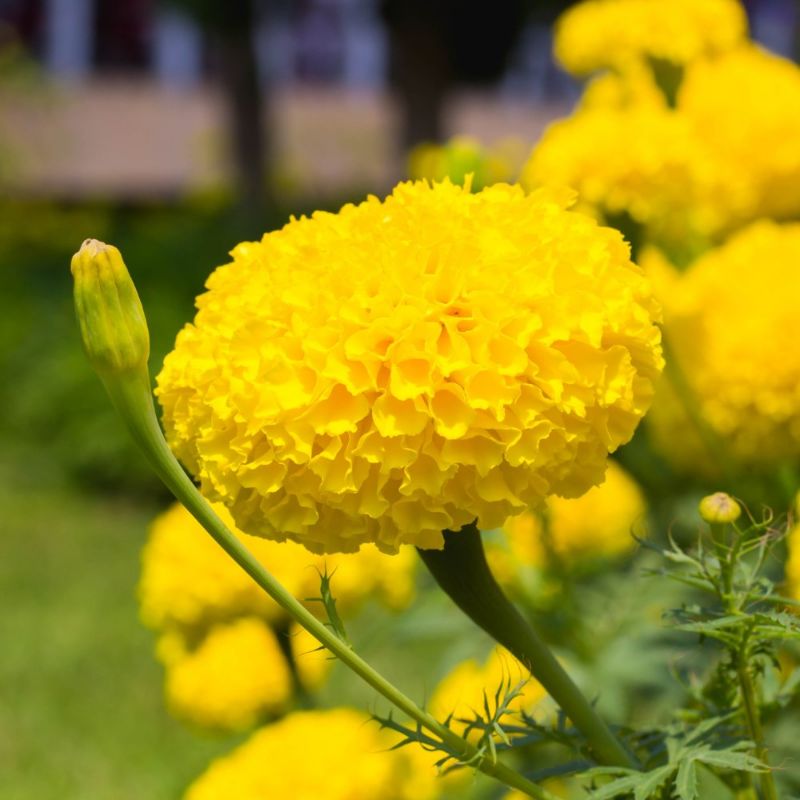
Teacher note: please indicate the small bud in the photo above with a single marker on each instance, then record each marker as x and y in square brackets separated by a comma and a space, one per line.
[719, 508]
[110, 315]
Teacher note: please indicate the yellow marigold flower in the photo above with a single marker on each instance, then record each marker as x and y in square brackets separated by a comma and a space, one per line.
[407, 366]
[599, 524]
[642, 161]
[727, 319]
[745, 106]
[462, 156]
[335, 755]
[236, 677]
[461, 692]
[188, 581]
[636, 87]
[600, 34]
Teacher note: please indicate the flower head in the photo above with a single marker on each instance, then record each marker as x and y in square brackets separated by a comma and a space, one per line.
[599, 524]
[327, 754]
[602, 34]
[407, 366]
[234, 678]
[727, 321]
[189, 583]
[744, 105]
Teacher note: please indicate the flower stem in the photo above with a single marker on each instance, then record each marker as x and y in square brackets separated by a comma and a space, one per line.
[132, 398]
[754, 729]
[462, 572]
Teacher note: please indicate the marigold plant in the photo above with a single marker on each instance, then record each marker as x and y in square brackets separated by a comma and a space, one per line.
[407, 366]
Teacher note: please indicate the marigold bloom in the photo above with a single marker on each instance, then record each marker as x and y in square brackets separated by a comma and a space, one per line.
[745, 106]
[460, 695]
[644, 161]
[727, 319]
[189, 582]
[597, 525]
[319, 754]
[407, 366]
[236, 677]
[600, 34]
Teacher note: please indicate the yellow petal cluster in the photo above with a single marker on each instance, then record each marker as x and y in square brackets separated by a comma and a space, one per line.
[729, 322]
[643, 161]
[464, 156]
[235, 678]
[746, 107]
[609, 34]
[188, 582]
[597, 525]
[335, 755]
[460, 695]
[407, 366]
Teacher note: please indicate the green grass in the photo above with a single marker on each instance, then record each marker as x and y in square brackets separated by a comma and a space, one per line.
[81, 709]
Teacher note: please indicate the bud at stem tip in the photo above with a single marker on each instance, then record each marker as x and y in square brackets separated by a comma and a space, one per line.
[110, 316]
[719, 508]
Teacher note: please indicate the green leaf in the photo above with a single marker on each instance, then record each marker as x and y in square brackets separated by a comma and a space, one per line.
[686, 780]
[651, 781]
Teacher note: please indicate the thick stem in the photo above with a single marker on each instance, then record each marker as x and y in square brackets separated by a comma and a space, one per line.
[461, 570]
[132, 399]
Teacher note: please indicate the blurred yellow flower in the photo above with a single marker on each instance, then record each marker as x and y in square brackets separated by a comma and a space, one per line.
[635, 87]
[746, 107]
[460, 695]
[188, 582]
[236, 677]
[407, 366]
[727, 322]
[466, 155]
[644, 161]
[598, 525]
[315, 755]
[599, 34]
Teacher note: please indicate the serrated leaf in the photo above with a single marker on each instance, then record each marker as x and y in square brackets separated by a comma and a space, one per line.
[651, 781]
[617, 788]
[686, 780]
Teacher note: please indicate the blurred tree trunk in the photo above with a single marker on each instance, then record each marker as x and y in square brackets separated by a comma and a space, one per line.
[244, 100]
[232, 26]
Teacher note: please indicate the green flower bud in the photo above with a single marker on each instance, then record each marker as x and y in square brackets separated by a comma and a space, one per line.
[110, 315]
[719, 508]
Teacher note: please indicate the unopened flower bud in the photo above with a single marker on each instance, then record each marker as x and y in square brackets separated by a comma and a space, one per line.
[110, 315]
[719, 508]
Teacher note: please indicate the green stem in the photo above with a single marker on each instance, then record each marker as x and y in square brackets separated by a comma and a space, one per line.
[132, 398]
[461, 570]
[754, 729]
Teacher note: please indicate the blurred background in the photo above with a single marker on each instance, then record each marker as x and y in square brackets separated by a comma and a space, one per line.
[175, 129]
